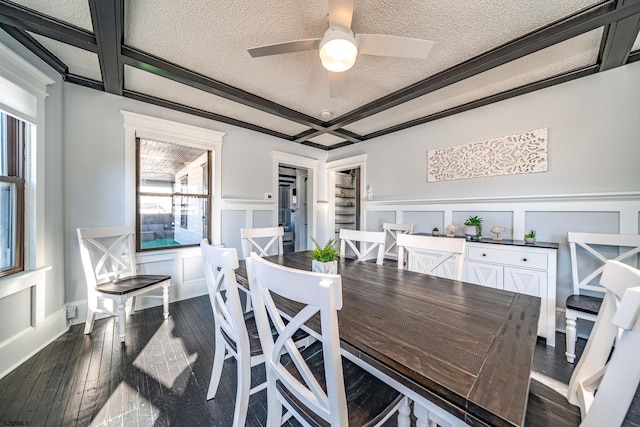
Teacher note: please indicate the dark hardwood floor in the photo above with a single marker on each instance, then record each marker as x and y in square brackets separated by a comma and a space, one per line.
[160, 378]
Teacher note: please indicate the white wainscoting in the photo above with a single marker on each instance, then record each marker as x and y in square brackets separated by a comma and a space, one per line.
[25, 328]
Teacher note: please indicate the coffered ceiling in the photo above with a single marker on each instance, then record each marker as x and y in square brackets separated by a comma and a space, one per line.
[191, 56]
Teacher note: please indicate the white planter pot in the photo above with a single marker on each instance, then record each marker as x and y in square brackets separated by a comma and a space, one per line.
[530, 239]
[470, 230]
[330, 267]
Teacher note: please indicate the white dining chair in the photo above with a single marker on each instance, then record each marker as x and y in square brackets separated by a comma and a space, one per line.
[235, 333]
[430, 255]
[108, 256]
[392, 230]
[606, 378]
[316, 386]
[264, 241]
[363, 244]
[589, 253]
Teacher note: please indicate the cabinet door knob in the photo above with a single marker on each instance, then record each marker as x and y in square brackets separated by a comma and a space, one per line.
[484, 254]
[524, 259]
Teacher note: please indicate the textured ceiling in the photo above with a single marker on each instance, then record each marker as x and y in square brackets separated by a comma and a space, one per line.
[191, 55]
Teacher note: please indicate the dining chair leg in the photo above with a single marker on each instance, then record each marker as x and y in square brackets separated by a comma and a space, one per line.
[91, 317]
[122, 319]
[218, 362]
[243, 391]
[404, 413]
[165, 300]
[571, 340]
[274, 406]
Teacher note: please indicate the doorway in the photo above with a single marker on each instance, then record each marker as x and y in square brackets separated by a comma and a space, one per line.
[293, 190]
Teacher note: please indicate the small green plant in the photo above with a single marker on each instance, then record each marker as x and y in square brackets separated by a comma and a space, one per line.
[353, 176]
[435, 230]
[531, 234]
[475, 221]
[325, 253]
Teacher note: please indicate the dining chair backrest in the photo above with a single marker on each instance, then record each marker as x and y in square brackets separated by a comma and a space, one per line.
[392, 230]
[603, 383]
[219, 269]
[314, 293]
[591, 251]
[231, 335]
[264, 241]
[589, 254]
[428, 254]
[363, 244]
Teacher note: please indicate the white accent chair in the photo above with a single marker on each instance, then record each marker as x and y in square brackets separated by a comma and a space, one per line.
[427, 254]
[589, 253]
[264, 241]
[108, 257]
[235, 332]
[363, 244]
[317, 386]
[392, 230]
[603, 383]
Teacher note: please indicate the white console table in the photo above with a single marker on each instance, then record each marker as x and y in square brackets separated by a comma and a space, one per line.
[515, 266]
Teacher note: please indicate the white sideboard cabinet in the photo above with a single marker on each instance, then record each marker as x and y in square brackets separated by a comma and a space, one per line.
[515, 266]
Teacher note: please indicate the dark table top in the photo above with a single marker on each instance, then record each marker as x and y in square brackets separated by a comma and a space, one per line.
[464, 347]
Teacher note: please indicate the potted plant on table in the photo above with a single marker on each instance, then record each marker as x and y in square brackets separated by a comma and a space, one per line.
[530, 237]
[435, 231]
[473, 227]
[325, 258]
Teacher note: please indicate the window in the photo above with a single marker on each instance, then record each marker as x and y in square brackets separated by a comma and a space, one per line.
[12, 143]
[173, 194]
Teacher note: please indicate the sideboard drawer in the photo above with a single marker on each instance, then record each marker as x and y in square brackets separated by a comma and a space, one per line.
[508, 257]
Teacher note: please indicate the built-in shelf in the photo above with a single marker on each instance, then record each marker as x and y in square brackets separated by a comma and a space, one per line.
[345, 187]
[345, 197]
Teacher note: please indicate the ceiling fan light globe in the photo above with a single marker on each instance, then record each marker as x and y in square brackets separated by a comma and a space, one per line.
[338, 51]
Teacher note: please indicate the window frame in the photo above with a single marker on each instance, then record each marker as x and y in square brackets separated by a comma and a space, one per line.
[156, 129]
[16, 175]
[23, 90]
[183, 194]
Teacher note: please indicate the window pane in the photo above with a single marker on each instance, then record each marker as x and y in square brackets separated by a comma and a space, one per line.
[172, 221]
[163, 166]
[173, 194]
[7, 225]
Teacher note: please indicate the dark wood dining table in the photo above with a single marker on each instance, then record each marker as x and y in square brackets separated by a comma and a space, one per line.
[466, 348]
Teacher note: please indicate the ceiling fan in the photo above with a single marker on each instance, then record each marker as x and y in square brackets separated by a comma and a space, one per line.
[339, 47]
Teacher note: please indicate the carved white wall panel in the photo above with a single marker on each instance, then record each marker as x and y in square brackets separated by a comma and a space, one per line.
[508, 155]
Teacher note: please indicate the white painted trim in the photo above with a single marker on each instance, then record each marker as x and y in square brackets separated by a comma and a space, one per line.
[333, 166]
[309, 163]
[142, 126]
[577, 197]
[16, 352]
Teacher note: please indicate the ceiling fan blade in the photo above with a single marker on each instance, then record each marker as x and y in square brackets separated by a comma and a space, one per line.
[340, 13]
[336, 84]
[385, 45]
[284, 47]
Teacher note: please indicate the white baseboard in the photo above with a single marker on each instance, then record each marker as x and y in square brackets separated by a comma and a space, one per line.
[17, 351]
[184, 291]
